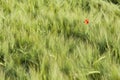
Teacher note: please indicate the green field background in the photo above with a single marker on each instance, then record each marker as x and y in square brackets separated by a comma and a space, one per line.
[48, 40]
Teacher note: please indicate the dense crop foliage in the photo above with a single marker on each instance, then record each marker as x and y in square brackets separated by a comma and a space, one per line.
[48, 40]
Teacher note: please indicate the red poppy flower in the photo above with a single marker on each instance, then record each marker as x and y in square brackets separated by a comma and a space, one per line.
[86, 21]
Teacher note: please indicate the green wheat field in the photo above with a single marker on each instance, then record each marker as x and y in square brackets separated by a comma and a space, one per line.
[48, 40]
